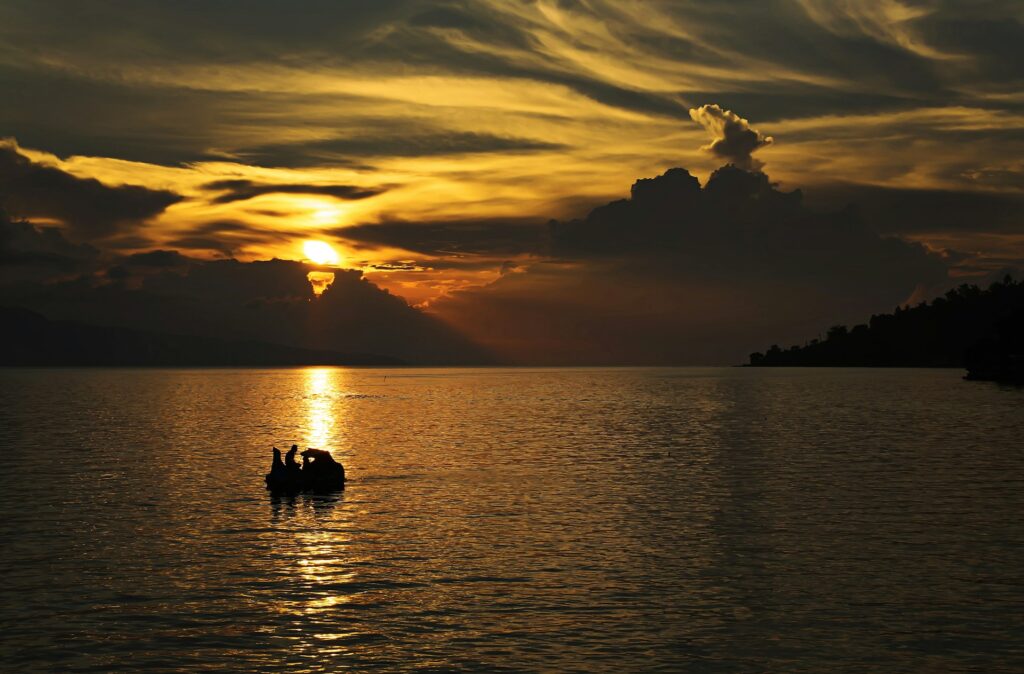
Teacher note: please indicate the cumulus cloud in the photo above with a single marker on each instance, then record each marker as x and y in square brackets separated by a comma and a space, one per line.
[31, 253]
[270, 301]
[732, 138]
[89, 209]
[680, 273]
[157, 259]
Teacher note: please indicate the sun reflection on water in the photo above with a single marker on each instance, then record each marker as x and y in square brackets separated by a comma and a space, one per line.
[323, 578]
[321, 392]
[316, 551]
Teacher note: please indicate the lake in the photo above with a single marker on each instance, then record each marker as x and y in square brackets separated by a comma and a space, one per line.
[592, 520]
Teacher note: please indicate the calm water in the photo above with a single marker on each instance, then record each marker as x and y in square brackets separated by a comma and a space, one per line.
[560, 520]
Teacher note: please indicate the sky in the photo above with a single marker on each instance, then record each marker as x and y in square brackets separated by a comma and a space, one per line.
[485, 168]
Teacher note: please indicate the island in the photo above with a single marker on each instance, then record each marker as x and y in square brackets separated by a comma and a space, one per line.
[981, 330]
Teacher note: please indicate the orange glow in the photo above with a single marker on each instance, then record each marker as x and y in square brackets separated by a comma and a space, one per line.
[320, 252]
[320, 280]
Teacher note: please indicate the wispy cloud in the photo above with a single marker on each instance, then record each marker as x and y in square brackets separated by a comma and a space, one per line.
[441, 113]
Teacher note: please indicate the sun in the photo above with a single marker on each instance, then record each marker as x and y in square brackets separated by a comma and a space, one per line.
[320, 252]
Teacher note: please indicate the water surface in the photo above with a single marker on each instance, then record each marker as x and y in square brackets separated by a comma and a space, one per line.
[599, 520]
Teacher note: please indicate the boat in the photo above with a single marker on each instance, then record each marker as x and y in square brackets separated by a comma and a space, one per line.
[319, 472]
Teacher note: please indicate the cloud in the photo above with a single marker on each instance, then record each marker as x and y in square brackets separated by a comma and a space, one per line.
[491, 109]
[157, 259]
[89, 209]
[240, 190]
[226, 237]
[732, 137]
[383, 140]
[503, 91]
[269, 301]
[483, 236]
[204, 242]
[31, 253]
[915, 211]
[401, 265]
[985, 224]
[135, 266]
[682, 274]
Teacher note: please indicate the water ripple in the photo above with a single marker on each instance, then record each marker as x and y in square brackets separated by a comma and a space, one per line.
[693, 519]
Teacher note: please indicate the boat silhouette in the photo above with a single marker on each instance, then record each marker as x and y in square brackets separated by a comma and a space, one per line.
[319, 472]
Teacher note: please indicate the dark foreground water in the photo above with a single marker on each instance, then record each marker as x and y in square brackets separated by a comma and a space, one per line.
[700, 520]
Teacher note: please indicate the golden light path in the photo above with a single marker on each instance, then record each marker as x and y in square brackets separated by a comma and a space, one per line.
[321, 393]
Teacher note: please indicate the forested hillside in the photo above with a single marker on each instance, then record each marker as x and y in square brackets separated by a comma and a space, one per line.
[960, 329]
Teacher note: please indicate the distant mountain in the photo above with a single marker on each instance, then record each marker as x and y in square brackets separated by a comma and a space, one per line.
[982, 330]
[27, 338]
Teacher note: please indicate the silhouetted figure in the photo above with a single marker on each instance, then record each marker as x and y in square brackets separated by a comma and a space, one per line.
[292, 466]
[290, 461]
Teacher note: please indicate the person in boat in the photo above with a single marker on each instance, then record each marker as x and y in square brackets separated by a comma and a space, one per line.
[289, 460]
[294, 470]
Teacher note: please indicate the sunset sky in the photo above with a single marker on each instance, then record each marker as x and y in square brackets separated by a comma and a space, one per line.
[430, 144]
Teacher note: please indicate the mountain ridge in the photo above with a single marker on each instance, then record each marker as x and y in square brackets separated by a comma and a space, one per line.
[30, 339]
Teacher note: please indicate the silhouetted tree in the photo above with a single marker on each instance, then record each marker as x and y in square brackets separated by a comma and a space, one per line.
[939, 334]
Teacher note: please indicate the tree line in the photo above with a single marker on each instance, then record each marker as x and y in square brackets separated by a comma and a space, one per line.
[966, 327]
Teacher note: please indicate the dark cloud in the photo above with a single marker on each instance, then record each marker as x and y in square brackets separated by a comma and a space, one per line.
[384, 140]
[684, 274]
[240, 190]
[170, 126]
[676, 259]
[157, 259]
[741, 226]
[914, 211]
[132, 268]
[495, 236]
[728, 38]
[269, 301]
[773, 105]
[224, 226]
[201, 242]
[89, 209]
[991, 34]
[840, 62]
[732, 138]
[162, 125]
[31, 253]
[396, 266]
[128, 242]
[198, 32]
[1009, 178]
[226, 236]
